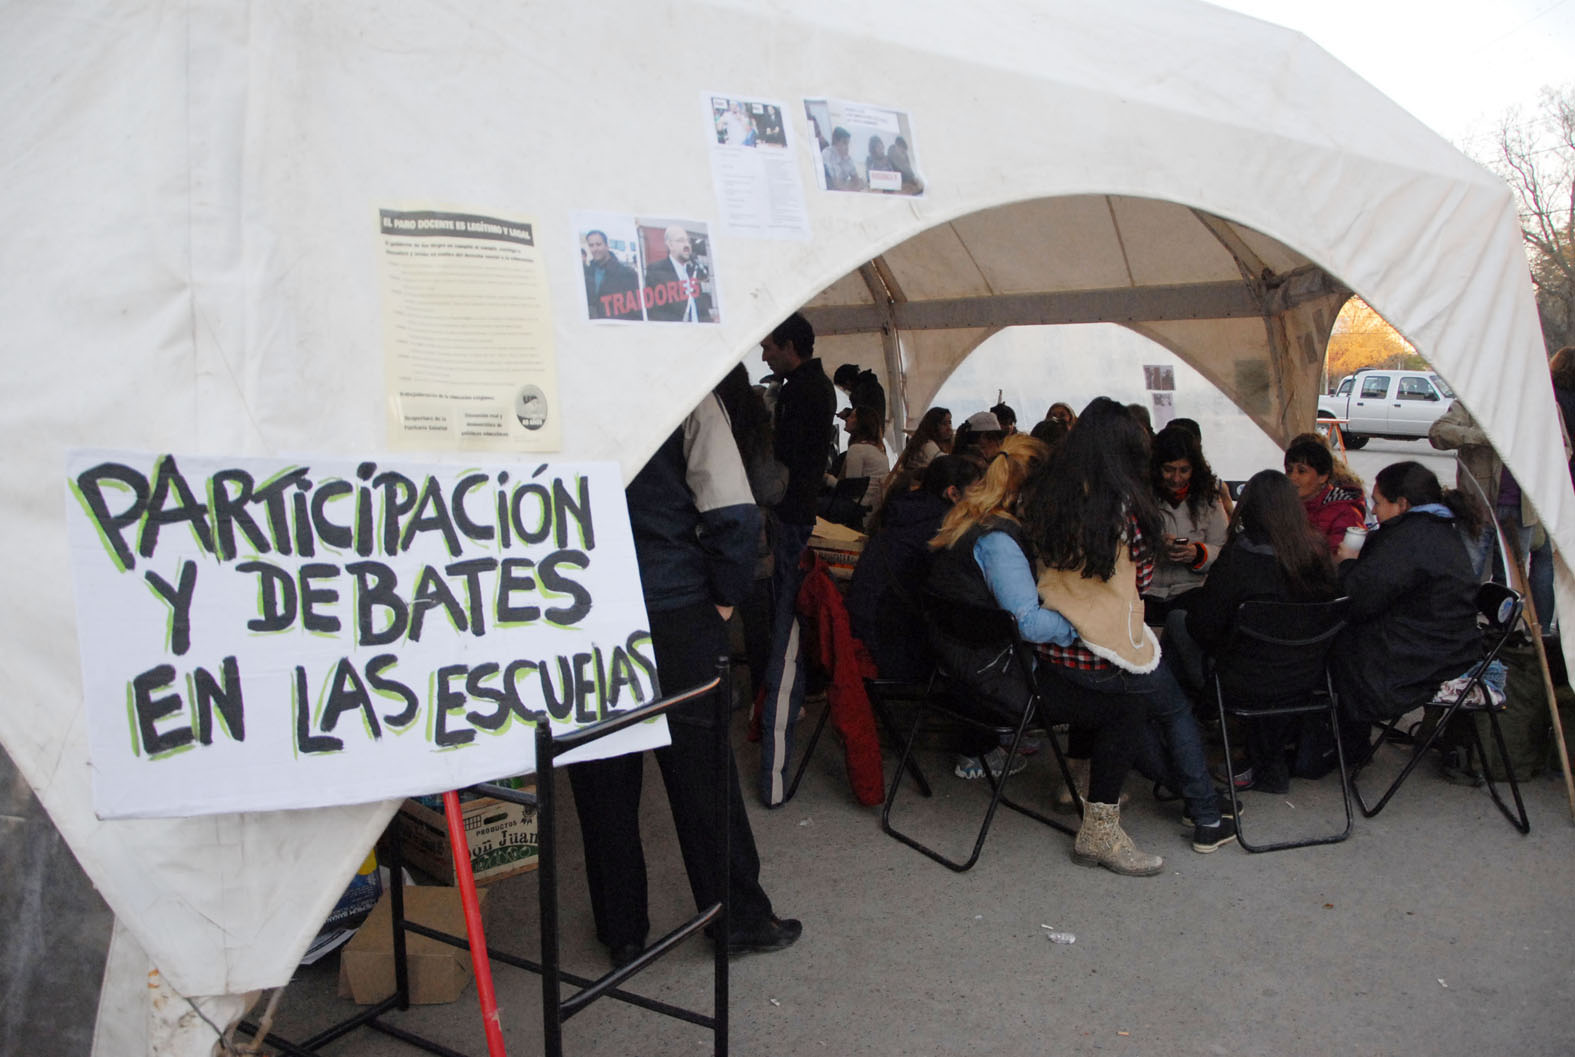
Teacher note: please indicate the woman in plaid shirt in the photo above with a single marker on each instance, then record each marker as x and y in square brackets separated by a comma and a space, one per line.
[1091, 518]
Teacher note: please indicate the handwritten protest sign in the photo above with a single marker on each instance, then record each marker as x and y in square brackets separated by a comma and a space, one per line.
[263, 633]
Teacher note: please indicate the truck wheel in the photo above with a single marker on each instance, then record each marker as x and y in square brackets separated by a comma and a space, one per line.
[1355, 441]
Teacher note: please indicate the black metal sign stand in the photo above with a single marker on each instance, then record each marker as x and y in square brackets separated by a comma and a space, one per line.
[557, 1009]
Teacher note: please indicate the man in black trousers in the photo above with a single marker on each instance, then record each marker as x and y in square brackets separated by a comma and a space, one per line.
[695, 532]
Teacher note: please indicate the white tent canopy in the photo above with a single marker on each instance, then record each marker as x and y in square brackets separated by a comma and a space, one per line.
[192, 267]
[1252, 315]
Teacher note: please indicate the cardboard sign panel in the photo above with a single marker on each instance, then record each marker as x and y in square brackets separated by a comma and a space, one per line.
[263, 633]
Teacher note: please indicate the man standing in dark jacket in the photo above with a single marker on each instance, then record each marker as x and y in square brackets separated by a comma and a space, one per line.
[863, 389]
[695, 528]
[803, 444]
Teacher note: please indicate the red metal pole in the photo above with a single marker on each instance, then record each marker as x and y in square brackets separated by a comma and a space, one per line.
[473, 930]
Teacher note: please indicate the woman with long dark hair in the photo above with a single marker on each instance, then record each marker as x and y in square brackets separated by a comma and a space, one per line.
[1272, 554]
[981, 558]
[883, 596]
[1095, 523]
[1413, 615]
[866, 455]
[1188, 495]
[932, 437]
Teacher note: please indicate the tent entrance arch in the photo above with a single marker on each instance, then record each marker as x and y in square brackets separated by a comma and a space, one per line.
[1251, 314]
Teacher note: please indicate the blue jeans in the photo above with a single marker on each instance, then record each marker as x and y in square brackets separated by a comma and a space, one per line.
[784, 689]
[1173, 749]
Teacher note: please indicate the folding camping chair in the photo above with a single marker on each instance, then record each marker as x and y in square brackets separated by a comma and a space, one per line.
[1500, 608]
[1275, 664]
[881, 693]
[978, 626]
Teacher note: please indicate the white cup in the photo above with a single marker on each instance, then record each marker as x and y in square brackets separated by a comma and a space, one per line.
[1355, 536]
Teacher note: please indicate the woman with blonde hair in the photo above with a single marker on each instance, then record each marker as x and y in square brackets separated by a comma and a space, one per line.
[982, 558]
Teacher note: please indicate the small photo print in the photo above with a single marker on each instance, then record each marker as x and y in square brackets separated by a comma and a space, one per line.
[1164, 409]
[1159, 377]
[747, 123]
[863, 148]
[646, 269]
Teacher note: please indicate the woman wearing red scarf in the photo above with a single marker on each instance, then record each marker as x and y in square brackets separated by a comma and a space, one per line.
[1331, 508]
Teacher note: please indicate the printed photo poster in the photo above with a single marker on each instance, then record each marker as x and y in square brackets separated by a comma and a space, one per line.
[863, 147]
[469, 360]
[1164, 410]
[646, 269]
[753, 169]
[261, 633]
[1160, 381]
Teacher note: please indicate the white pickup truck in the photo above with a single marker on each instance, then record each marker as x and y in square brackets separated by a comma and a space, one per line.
[1399, 405]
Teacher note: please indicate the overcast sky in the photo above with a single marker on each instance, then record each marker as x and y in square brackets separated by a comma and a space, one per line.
[1457, 65]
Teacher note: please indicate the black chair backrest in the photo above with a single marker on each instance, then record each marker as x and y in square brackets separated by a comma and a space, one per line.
[980, 650]
[970, 625]
[1277, 651]
[1499, 605]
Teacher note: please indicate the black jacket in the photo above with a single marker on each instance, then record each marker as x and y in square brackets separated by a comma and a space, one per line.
[883, 597]
[867, 392]
[1413, 616]
[695, 522]
[985, 670]
[617, 278]
[1244, 571]
[805, 410]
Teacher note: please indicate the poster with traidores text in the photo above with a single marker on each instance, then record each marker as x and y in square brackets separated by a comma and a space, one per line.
[266, 633]
[647, 269]
[467, 333]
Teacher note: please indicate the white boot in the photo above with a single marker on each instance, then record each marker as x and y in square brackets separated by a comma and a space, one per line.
[1102, 842]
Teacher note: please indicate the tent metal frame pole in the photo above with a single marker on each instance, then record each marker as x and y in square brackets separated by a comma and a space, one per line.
[883, 288]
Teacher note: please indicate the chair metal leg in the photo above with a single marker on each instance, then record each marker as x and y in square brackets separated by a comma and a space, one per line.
[1522, 823]
[807, 752]
[887, 721]
[883, 715]
[1332, 711]
[1418, 752]
[997, 795]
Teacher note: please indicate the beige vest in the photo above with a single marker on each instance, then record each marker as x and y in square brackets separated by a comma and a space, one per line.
[1108, 614]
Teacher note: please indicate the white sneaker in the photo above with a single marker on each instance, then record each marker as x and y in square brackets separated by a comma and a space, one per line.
[970, 767]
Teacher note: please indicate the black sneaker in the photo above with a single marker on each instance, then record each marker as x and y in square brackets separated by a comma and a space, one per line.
[1206, 839]
[1226, 811]
[1274, 779]
[773, 934]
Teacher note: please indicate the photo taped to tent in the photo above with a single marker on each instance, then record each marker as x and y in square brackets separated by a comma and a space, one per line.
[650, 269]
[759, 188]
[467, 329]
[747, 122]
[862, 147]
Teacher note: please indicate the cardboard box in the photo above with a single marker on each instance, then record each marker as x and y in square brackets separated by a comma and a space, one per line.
[501, 835]
[438, 971]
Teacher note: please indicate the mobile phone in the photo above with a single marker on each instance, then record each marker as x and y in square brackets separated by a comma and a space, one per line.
[1181, 541]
